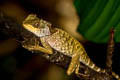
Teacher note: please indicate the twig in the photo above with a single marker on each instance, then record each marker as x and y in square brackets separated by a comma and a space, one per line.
[110, 51]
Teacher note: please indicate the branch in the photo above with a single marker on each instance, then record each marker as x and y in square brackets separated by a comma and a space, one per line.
[110, 51]
[12, 29]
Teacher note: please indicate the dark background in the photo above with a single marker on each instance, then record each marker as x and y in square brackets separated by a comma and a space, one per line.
[16, 63]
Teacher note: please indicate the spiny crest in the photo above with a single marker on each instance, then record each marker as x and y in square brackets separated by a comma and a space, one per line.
[31, 19]
[44, 23]
[31, 16]
[34, 21]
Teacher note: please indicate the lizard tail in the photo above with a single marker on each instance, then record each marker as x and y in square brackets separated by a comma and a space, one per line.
[94, 67]
[86, 60]
[115, 75]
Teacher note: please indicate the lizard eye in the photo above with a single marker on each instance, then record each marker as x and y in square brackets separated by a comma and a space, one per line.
[37, 24]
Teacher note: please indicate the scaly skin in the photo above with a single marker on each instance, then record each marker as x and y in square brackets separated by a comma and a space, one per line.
[61, 41]
[66, 44]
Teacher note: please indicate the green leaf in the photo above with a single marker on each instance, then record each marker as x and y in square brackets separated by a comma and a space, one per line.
[97, 17]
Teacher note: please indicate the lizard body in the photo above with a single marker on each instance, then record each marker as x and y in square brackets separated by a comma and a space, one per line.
[66, 44]
[61, 41]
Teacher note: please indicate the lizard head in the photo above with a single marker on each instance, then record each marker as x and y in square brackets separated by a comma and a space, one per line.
[37, 26]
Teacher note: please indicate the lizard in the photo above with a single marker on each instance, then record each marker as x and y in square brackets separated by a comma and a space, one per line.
[58, 39]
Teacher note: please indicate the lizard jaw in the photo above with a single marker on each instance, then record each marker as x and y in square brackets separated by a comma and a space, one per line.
[36, 31]
[31, 29]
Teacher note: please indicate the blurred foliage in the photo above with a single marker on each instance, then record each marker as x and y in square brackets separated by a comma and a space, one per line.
[97, 17]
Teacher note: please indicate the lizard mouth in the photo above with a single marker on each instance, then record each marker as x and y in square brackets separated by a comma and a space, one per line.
[30, 28]
[35, 31]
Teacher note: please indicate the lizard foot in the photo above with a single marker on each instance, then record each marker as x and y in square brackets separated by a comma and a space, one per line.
[78, 73]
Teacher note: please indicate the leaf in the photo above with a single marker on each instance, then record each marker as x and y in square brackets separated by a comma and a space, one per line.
[97, 17]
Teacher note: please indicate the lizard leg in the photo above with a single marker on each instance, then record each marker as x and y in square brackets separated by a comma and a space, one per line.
[78, 73]
[46, 45]
[37, 47]
[77, 69]
[73, 64]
